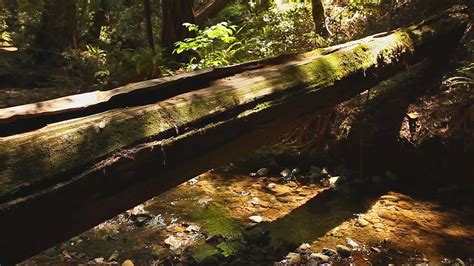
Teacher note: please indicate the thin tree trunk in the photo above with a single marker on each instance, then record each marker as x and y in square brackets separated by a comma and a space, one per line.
[210, 10]
[100, 19]
[319, 18]
[58, 26]
[175, 13]
[148, 25]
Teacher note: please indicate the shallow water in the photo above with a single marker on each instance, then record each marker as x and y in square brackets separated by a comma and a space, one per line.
[206, 221]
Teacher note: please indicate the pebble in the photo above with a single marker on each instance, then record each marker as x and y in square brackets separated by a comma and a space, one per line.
[127, 263]
[324, 172]
[329, 252]
[352, 243]
[285, 172]
[294, 258]
[193, 228]
[459, 262]
[279, 190]
[113, 256]
[295, 171]
[262, 172]
[362, 222]
[99, 260]
[256, 219]
[343, 250]
[319, 257]
[376, 250]
[333, 181]
[303, 247]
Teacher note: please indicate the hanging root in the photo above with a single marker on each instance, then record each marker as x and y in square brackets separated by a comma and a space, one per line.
[309, 132]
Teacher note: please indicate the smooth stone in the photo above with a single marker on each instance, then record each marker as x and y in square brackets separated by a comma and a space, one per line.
[329, 252]
[362, 222]
[127, 263]
[376, 250]
[295, 171]
[325, 172]
[285, 172]
[459, 262]
[294, 258]
[262, 172]
[343, 250]
[256, 219]
[319, 257]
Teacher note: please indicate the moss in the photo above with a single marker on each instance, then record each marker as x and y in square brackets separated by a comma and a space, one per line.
[230, 248]
[205, 253]
[70, 145]
[215, 221]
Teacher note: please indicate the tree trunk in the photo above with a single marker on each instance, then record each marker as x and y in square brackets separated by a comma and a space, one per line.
[319, 18]
[175, 13]
[58, 26]
[148, 25]
[210, 10]
[100, 20]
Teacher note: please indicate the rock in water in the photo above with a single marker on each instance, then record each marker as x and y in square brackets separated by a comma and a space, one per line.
[343, 250]
[324, 172]
[285, 173]
[318, 257]
[295, 171]
[256, 219]
[459, 262]
[127, 263]
[262, 172]
[329, 252]
[334, 181]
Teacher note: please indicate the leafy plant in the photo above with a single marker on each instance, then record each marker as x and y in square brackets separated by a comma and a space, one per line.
[213, 46]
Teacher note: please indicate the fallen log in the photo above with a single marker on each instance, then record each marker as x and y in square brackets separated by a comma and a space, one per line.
[145, 149]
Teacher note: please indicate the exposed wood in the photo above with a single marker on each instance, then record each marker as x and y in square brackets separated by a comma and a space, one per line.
[66, 147]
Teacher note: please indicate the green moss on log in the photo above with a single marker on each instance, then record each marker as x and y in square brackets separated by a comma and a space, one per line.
[66, 147]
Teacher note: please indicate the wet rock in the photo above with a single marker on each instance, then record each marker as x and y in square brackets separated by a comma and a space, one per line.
[99, 260]
[262, 172]
[325, 182]
[293, 258]
[324, 172]
[329, 252]
[142, 219]
[459, 262]
[303, 247]
[362, 222]
[334, 181]
[352, 243]
[343, 250]
[319, 257]
[375, 250]
[285, 173]
[296, 171]
[113, 256]
[127, 263]
[193, 181]
[193, 228]
[256, 219]
[66, 254]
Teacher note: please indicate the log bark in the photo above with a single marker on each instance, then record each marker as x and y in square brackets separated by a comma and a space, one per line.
[88, 162]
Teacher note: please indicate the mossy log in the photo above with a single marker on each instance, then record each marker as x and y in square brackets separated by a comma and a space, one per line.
[115, 158]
